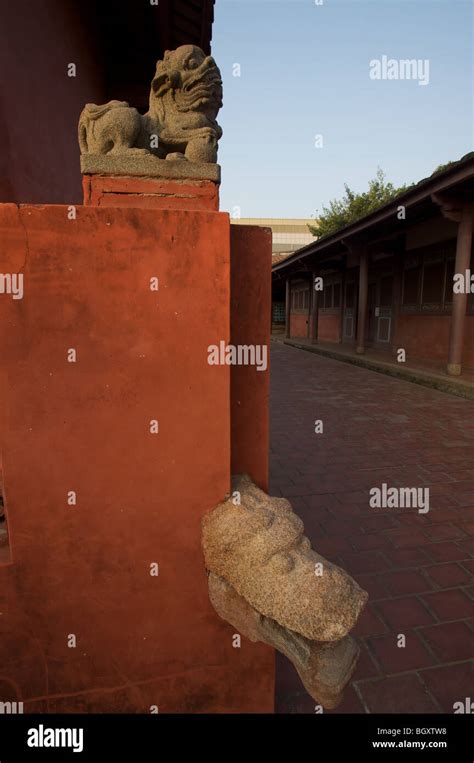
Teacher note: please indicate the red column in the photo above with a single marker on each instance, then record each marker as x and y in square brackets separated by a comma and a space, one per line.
[314, 314]
[397, 296]
[458, 315]
[341, 305]
[363, 290]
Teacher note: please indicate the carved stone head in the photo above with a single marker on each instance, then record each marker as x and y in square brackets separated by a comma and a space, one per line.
[191, 78]
[259, 548]
[266, 580]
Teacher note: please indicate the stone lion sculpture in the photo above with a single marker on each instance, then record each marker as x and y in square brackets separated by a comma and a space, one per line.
[266, 580]
[185, 98]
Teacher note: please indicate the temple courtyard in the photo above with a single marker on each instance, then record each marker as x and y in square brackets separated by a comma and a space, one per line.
[338, 431]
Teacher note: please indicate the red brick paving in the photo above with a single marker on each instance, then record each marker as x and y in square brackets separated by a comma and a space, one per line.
[418, 569]
[450, 642]
[396, 659]
[399, 694]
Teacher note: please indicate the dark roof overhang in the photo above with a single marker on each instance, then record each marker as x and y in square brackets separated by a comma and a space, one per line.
[456, 182]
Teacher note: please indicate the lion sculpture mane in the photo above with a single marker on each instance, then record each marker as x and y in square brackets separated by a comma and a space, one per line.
[185, 98]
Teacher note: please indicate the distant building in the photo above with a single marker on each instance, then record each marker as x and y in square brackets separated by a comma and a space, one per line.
[399, 278]
[288, 235]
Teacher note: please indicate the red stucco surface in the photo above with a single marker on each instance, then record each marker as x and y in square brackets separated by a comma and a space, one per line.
[299, 324]
[427, 337]
[251, 260]
[84, 569]
[150, 193]
[329, 327]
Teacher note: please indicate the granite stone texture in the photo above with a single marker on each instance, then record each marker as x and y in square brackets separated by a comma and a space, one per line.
[265, 578]
[180, 125]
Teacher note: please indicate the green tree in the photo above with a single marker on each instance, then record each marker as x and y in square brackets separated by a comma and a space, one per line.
[443, 167]
[353, 206]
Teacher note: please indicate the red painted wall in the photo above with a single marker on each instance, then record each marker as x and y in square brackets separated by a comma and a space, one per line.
[427, 337]
[329, 327]
[251, 252]
[149, 193]
[84, 427]
[298, 324]
[40, 104]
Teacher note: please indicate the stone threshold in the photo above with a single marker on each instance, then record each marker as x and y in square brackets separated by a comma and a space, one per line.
[450, 385]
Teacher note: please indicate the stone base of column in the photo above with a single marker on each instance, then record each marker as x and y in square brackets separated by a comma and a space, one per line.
[360, 350]
[454, 369]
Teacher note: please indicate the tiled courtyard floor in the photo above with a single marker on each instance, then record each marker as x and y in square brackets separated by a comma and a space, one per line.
[417, 568]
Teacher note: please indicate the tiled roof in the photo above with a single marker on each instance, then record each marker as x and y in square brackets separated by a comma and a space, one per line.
[446, 177]
[280, 257]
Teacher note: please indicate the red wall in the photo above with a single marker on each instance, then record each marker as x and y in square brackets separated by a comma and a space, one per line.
[251, 252]
[427, 337]
[84, 427]
[329, 327]
[149, 193]
[299, 324]
[40, 104]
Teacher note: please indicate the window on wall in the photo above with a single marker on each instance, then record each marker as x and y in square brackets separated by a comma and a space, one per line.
[411, 281]
[350, 294]
[434, 271]
[300, 298]
[331, 294]
[428, 279]
[278, 314]
[328, 292]
[448, 286]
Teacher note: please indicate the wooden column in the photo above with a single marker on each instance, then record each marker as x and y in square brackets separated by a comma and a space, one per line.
[397, 293]
[362, 306]
[287, 308]
[458, 315]
[343, 296]
[314, 314]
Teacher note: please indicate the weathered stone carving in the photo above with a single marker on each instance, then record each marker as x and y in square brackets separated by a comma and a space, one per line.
[185, 98]
[265, 579]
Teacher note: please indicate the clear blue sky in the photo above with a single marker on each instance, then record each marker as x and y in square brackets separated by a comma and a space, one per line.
[305, 72]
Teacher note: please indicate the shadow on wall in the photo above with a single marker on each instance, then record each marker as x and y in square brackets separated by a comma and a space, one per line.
[42, 96]
[4, 543]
